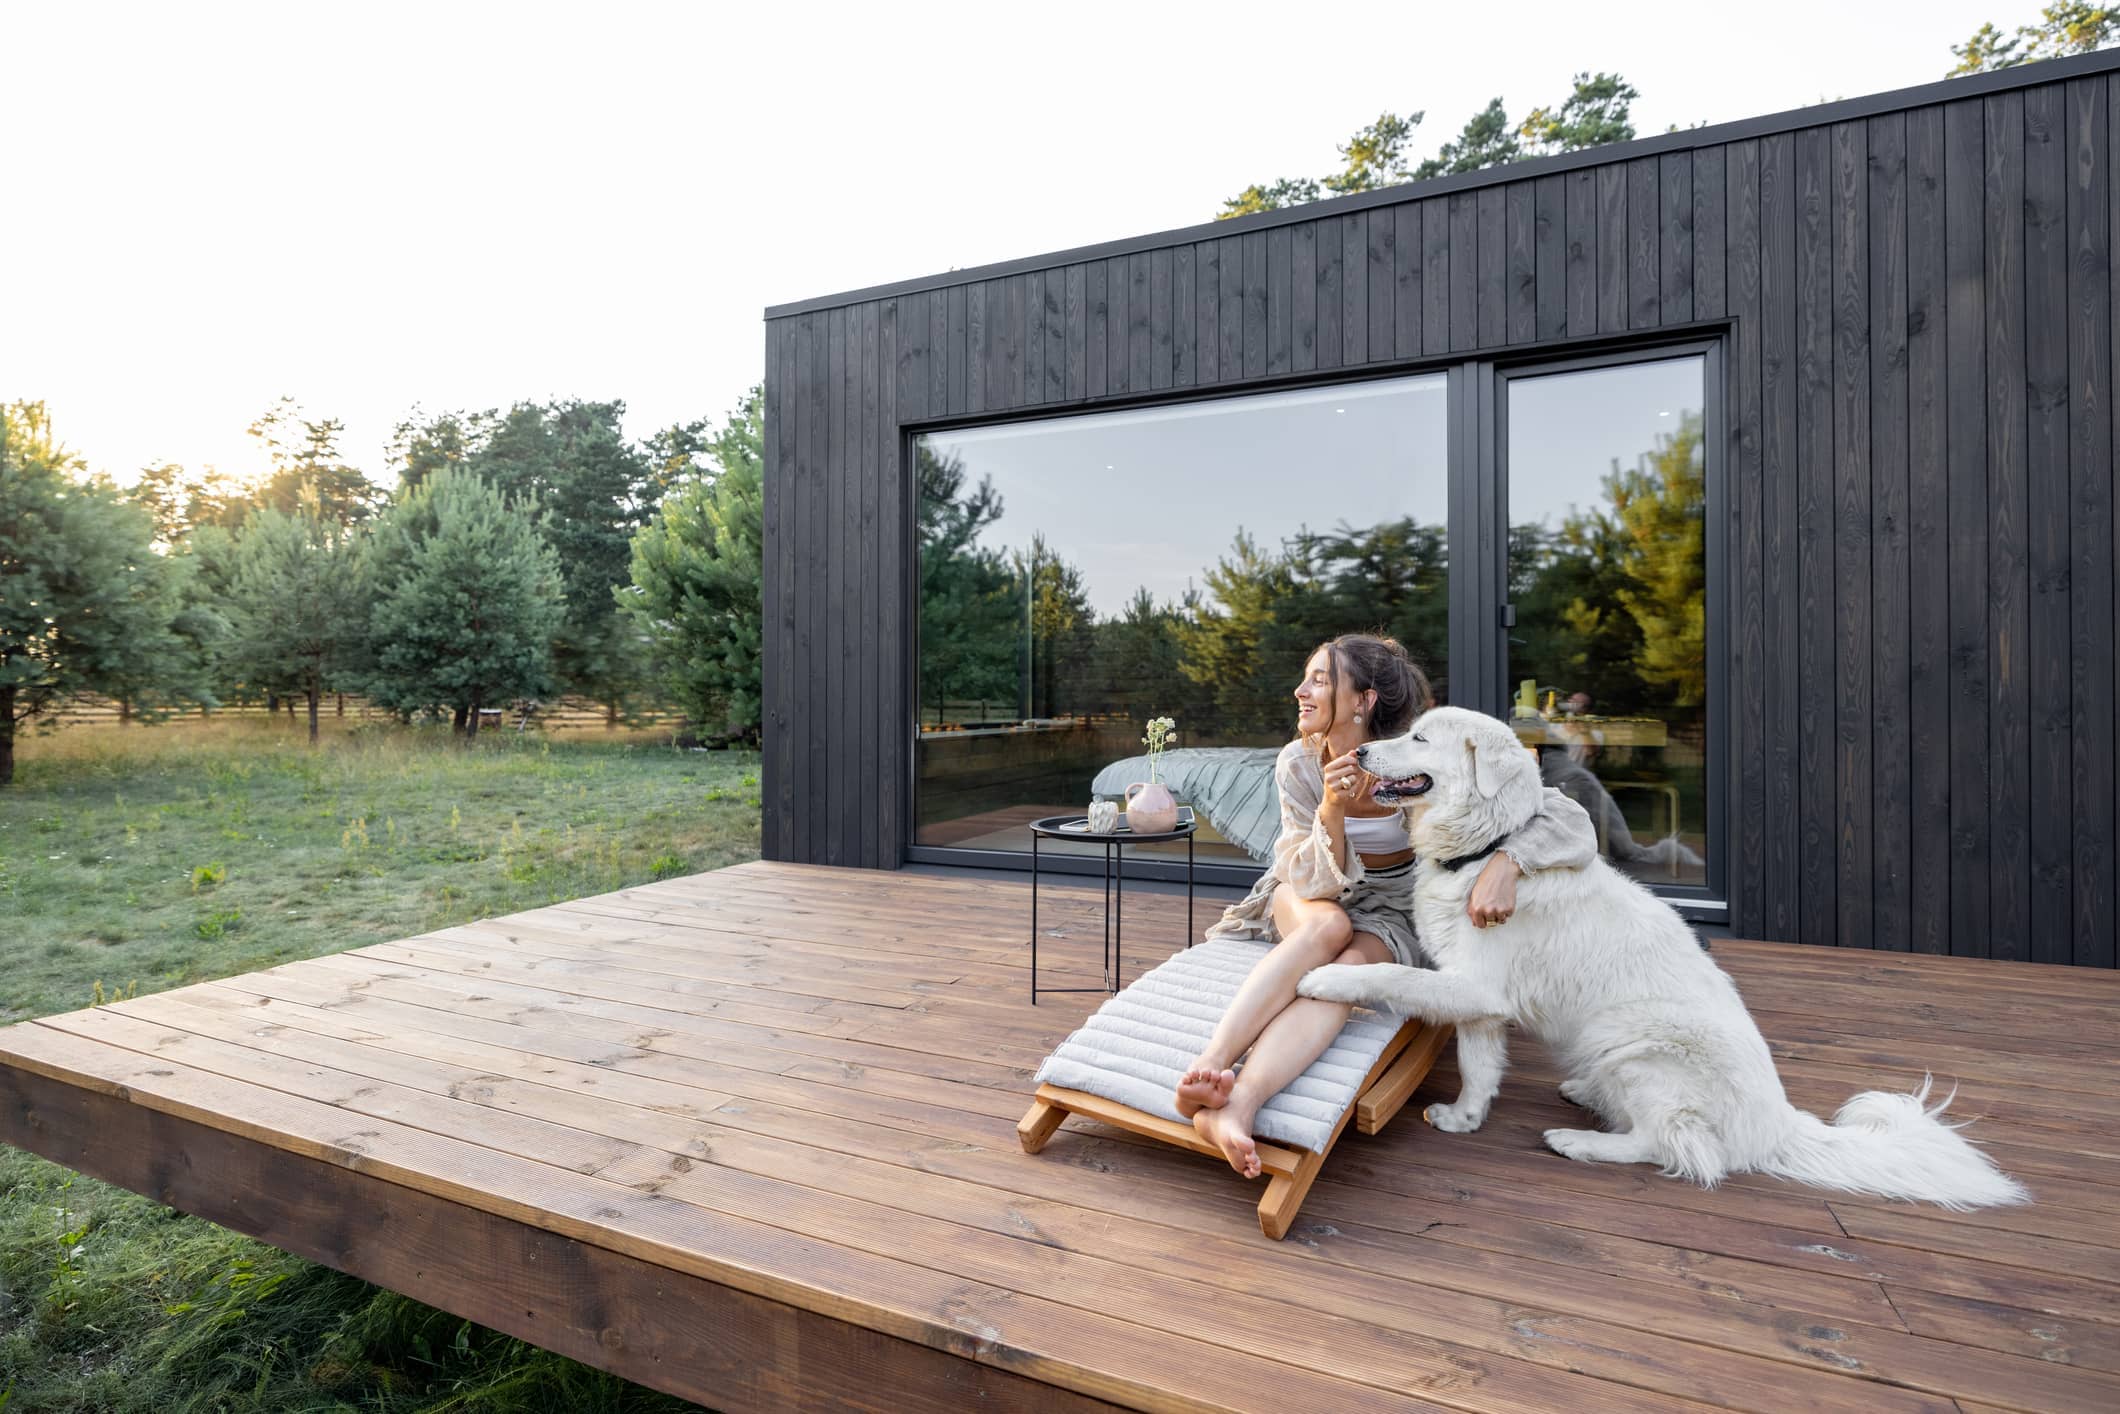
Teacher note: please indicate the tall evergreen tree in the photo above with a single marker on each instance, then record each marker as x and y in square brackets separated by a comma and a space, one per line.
[2069, 27]
[305, 460]
[295, 603]
[1661, 507]
[679, 453]
[694, 593]
[182, 501]
[569, 462]
[466, 601]
[1227, 645]
[86, 605]
[1488, 139]
[1596, 112]
[971, 606]
[423, 445]
[1059, 622]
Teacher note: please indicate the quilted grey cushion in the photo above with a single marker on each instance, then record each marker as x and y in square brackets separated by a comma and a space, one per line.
[1138, 1044]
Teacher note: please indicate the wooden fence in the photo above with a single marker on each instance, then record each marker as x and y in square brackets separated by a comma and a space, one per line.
[566, 714]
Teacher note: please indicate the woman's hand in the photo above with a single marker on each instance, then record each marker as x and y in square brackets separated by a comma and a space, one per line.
[1494, 892]
[1345, 783]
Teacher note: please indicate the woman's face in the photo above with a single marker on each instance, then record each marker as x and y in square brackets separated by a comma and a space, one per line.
[1318, 708]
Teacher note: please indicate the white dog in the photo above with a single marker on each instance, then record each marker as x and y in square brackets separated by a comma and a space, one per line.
[1651, 1034]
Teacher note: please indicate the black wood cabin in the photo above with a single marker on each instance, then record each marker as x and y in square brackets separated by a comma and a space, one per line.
[1903, 310]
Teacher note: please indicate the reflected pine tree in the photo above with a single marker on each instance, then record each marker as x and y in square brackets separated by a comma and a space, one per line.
[1270, 609]
[971, 611]
[1062, 638]
[1229, 643]
[1613, 602]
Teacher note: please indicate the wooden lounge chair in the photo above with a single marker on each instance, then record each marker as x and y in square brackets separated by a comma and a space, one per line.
[1397, 1072]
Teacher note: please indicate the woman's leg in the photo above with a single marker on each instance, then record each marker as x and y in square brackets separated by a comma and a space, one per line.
[1312, 932]
[1290, 1042]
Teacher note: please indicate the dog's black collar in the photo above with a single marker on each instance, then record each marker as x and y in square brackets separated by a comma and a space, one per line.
[1453, 865]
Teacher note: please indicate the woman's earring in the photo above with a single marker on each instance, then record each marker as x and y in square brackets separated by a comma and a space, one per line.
[1358, 716]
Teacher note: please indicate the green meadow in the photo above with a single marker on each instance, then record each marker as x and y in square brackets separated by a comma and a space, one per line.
[141, 858]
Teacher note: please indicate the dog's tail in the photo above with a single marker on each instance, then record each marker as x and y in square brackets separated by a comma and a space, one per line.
[1895, 1146]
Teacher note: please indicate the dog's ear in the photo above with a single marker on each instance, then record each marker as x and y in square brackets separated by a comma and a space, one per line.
[1486, 773]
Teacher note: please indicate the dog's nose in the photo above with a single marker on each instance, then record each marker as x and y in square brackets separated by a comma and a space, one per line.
[1361, 755]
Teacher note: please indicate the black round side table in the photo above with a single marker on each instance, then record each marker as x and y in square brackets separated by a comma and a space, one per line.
[1076, 827]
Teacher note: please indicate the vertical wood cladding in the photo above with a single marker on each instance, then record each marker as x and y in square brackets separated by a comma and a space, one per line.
[1919, 426]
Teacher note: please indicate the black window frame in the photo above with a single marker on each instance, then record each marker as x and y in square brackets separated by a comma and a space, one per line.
[1477, 434]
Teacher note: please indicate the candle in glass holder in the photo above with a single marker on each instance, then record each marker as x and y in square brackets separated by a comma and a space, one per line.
[1103, 816]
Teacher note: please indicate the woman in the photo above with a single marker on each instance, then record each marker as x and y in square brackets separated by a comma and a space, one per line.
[1341, 885]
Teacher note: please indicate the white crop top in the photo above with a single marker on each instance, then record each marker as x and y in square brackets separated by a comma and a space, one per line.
[1377, 834]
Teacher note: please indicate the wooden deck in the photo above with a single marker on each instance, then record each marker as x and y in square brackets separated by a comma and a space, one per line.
[750, 1137]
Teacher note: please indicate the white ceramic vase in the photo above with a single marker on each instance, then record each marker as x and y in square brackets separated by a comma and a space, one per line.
[1150, 809]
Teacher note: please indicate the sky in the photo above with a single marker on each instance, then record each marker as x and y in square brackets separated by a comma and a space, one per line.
[380, 207]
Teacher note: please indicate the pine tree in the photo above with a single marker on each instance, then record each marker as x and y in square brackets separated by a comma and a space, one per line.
[694, 593]
[466, 601]
[570, 463]
[295, 603]
[1232, 646]
[972, 608]
[1662, 508]
[1596, 112]
[2069, 27]
[306, 462]
[86, 605]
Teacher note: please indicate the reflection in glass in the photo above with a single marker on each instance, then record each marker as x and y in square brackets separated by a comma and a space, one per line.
[1081, 575]
[1608, 572]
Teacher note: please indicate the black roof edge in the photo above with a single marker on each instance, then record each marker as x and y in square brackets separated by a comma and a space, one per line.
[1840, 111]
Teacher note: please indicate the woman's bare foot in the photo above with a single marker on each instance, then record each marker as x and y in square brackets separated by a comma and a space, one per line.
[1231, 1133]
[1204, 1088]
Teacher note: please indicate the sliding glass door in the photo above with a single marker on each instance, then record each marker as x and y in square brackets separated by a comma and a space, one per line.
[1604, 477]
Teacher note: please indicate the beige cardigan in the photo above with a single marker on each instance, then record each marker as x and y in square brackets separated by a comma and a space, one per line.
[1560, 836]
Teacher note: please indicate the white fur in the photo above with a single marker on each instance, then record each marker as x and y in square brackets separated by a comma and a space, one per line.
[1651, 1034]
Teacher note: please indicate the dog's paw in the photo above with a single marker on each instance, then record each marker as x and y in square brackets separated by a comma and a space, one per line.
[1573, 1143]
[1578, 1092]
[1454, 1120]
[1337, 982]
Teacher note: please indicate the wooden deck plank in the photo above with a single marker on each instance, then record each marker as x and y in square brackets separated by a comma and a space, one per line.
[665, 1155]
[1722, 1282]
[676, 1146]
[1801, 1251]
[815, 1074]
[924, 1305]
[2055, 1339]
[692, 1337]
[659, 1027]
[795, 1054]
[999, 1106]
[765, 1008]
[682, 1143]
[908, 929]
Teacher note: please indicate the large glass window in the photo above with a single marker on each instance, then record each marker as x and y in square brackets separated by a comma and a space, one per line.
[1607, 564]
[1081, 575]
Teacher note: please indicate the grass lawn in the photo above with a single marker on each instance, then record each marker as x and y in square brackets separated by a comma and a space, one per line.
[140, 858]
